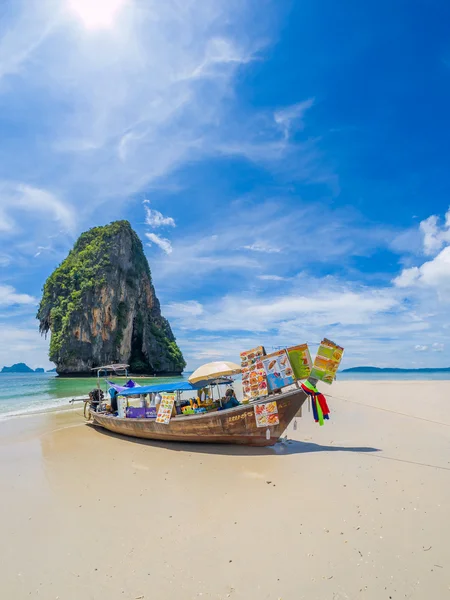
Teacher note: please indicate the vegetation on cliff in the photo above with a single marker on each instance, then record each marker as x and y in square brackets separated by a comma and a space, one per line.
[102, 295]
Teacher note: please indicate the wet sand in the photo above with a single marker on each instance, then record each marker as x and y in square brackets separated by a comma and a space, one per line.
[355, 509]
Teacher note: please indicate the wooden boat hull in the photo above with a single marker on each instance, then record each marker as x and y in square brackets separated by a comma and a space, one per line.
[232, 426]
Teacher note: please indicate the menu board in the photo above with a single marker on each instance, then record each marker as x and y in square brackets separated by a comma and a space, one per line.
[251, 357]
[300, 360]
[165, 409]
[266, 414]
[278, 369]
[327, 361]
[254, 381]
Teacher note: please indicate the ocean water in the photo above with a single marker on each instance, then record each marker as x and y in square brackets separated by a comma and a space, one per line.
[26, 393]
[23, 393]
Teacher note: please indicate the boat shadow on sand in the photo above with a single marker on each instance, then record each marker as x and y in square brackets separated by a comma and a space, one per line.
[282, 448]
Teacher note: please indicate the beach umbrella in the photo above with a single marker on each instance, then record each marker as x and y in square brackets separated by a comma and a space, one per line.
[213, 370]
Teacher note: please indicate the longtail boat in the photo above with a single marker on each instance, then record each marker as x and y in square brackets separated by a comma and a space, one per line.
[232, 426]
[273, 396]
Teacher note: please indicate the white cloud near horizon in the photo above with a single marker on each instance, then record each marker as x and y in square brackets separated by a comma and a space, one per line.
[391, 323]
[437, 347]
[23, 344]
[241, 312]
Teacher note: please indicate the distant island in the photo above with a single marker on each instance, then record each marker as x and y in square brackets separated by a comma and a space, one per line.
[393, 370]
[18, 368]
[21, 368]
[51, 370]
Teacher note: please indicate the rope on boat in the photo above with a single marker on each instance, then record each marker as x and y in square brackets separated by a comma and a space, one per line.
[395, 412]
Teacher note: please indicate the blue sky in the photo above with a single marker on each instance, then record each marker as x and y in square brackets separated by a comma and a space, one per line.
[285, 164]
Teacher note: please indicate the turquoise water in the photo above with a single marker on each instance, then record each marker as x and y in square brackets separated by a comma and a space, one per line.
[34, 392]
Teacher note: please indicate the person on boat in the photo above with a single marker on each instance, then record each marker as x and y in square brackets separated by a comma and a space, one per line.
[113, 395]
[230, 399]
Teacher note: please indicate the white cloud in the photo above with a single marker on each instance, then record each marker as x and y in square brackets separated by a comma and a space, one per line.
[258, 247]
[433, 274]
[41, 249]
[134, 102]
[420, 348]
[434, 235]
[22, 344]
[384, 339]
[9, 297]
[163, 243]
[438, 347]
[407, 278]
[292, 116]
[38, 202]
[271, 278]
[147, 95]
[221, 250]
[5, 259]
[35, 23]
[191, 308]
[243, 313]
[219, 51]
[154, 218]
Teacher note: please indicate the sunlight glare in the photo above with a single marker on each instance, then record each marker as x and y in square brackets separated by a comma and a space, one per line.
[97, 14]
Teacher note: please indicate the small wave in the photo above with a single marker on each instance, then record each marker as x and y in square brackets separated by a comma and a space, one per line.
[60, 404]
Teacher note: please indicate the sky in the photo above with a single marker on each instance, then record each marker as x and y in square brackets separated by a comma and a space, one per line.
[284, 163]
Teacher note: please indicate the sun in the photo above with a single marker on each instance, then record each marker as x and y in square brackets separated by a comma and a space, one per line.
[97, 14]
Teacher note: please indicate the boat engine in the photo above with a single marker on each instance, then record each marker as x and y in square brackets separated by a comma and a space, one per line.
[96, 398]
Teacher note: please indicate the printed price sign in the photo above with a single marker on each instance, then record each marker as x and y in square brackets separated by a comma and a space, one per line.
[327, 361]
[300, 360]
[266, 414]
[254, 381]
[165, 409]
[278, 369]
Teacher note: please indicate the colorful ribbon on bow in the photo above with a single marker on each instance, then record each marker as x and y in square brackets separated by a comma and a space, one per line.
[318, 401]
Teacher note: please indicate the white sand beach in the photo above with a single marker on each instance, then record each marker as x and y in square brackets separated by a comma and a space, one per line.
[355, 509]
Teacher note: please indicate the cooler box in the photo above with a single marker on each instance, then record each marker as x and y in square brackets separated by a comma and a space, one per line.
[150, 412]
[135, 412]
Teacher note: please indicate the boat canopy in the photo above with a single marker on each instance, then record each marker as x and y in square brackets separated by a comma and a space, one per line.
[179, 386]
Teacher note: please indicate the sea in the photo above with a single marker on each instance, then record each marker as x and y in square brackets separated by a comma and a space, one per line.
[28, 393]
